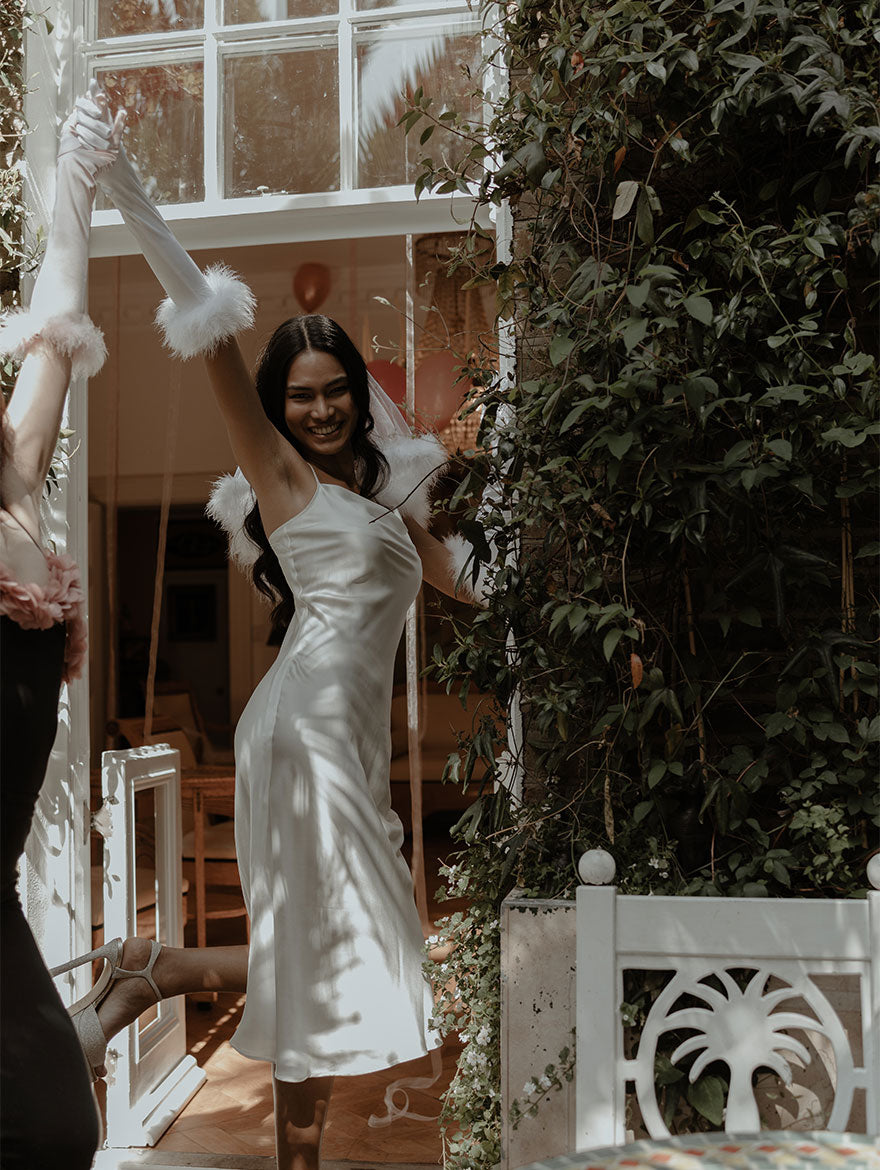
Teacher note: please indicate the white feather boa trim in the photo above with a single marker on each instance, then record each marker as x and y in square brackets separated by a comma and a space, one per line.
[226, 309]
[72, 335]
[461, 562]
[414, 464]
[231, 499]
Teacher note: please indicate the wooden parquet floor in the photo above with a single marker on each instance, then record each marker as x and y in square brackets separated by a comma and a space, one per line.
[233, 1114]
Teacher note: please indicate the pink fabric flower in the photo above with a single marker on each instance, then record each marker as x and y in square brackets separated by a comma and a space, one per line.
[39, 607]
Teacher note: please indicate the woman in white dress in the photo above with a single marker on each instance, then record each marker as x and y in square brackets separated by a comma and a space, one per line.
[334, 969]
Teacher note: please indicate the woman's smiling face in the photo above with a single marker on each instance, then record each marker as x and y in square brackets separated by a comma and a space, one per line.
[319, 410]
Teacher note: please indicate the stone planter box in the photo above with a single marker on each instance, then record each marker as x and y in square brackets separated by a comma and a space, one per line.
[538, 967]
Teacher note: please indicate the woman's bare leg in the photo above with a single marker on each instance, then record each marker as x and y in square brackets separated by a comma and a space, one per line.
[300, 1107]
[178, 971]
[300, 1113]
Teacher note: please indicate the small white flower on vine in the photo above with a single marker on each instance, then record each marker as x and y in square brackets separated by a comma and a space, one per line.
[529, 1088]
[484, 1035]
[655, 862]
[544, 1082]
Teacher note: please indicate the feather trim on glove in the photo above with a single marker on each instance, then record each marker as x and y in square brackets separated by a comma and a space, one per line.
[72, 335]
[199, 329]
[461, 555]
[415, 465]
[409, 461]
[231, 499]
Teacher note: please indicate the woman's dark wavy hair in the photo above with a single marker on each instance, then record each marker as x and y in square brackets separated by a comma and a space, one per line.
[288, 341]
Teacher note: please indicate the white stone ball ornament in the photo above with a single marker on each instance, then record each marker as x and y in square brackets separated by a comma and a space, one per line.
[874, 871]
[597, 868]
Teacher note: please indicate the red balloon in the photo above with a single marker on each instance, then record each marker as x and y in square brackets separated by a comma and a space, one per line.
[391, 377]
[438, 394]
[311, 284]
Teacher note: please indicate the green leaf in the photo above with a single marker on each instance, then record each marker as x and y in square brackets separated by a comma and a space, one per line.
[637, 294]
[633, 332]
[610, 641]
[665, 1072]
[700, 308]
[573, 415]
[845, 436]
[645, 220]
[707, 1096]
[559, 615]
[641, 810]
[736, 453]
[749, 616]
[656, 773]
[781, 873]
[872, 549]
[560, 347]
[618, 445]
[781, 447]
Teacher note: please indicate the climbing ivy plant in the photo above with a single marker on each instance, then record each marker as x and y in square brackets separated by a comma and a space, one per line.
[679, 486]
[17, 257]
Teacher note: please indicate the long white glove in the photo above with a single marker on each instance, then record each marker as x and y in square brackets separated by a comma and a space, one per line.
[202, 309]
[55, 316]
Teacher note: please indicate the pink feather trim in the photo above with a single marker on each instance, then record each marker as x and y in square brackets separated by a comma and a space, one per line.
[39, 607]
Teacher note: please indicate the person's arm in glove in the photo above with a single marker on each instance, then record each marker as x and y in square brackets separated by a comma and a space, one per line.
[202, 309]
[53, 337]
[201, 315]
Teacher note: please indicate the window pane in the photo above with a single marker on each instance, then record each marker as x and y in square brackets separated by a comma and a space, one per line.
[281, 122]
[125, 18]
[389, 70]
[165, 132]
[249, 11]
[368, 5]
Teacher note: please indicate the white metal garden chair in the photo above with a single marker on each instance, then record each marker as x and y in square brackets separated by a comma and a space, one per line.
[743, 972]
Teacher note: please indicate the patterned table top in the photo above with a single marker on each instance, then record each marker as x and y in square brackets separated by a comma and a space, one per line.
[766, 1151]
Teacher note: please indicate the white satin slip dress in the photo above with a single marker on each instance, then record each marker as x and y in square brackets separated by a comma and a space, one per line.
[335, 981]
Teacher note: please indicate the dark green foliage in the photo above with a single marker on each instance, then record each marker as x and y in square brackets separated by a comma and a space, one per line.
[690, 472]
[688, 475]
[17, 258]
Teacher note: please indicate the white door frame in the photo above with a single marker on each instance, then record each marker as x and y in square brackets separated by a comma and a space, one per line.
[55, 872]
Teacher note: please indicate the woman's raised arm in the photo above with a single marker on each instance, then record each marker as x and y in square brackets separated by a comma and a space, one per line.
[53, 338]
[201, 315]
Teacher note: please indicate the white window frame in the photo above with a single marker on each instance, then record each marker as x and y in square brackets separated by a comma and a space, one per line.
[217, 221]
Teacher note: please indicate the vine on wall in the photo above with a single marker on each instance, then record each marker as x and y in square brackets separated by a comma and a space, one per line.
[687, 483]
[17, 258]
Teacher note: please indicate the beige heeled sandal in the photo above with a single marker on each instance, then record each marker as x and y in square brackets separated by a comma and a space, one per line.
[84, 1013]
